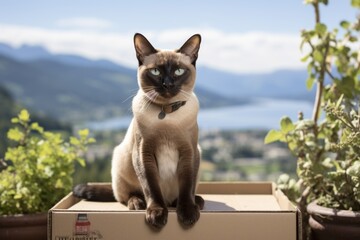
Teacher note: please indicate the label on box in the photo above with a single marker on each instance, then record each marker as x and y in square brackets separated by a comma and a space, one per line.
[82, 230]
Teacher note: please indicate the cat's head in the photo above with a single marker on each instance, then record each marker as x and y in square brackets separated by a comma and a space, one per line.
[165, 75]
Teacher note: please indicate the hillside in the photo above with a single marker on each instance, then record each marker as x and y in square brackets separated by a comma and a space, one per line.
[66, 92]
[79, 92]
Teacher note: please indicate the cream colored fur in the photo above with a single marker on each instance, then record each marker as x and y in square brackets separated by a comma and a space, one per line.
[181, 123]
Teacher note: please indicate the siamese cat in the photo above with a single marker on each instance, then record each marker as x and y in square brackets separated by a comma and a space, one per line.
[156, 166]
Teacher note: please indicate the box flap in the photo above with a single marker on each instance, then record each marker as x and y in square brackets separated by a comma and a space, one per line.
[213, 203]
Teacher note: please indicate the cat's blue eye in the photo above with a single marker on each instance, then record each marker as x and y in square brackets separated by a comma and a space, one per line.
[179, 71]
[155, 71]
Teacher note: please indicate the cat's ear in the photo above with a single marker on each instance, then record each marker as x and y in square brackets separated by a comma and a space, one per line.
[191, 47]
[143, 47]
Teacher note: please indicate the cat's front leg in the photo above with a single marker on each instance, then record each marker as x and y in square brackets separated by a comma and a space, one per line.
[156, 211]
[187, 209]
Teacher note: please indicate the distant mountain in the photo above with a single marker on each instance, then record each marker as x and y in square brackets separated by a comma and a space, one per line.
[30, 53]
[25, 52]
[287, 84]
[81, 91]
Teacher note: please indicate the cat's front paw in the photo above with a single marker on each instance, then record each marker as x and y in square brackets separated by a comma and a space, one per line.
[136, 203]
[188, 214]
[156, 216]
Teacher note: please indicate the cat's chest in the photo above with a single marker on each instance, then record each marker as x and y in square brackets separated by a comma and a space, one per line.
[167, 157]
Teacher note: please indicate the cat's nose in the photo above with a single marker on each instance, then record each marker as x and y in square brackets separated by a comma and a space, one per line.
[168, 83]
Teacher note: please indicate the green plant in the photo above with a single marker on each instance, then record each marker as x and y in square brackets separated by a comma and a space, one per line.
[327, 145]
[39, 168]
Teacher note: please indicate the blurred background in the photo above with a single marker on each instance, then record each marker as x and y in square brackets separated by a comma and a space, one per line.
[72, 65]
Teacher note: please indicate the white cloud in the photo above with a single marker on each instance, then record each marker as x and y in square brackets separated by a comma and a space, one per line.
[237, 52]
[83, 22]
[242, 52]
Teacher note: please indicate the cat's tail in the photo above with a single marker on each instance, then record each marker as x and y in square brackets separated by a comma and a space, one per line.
[98, 193]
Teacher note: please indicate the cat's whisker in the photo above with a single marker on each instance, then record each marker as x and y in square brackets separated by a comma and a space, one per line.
[129, 97]
[148, 89]
[150, 98]
[150, 95]
[133, 93]
[146, 104]
[154, 96]
[186, 95]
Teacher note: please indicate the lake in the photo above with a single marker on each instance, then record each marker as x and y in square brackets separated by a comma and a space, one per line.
[260, 114]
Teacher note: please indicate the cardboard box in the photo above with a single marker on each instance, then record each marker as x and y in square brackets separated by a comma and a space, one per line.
[232, 211]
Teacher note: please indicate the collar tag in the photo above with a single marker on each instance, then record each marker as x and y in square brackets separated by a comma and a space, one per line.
[172, 107]
[162, 114]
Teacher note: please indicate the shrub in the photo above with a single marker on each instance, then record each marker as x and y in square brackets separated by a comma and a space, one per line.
[39, 168]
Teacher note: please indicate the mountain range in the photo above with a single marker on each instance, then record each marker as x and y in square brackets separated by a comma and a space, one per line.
[73, 88]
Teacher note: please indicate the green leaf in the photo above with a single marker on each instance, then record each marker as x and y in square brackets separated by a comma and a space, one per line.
[59, 184]
[310, 82]
[353, 39]
[292, 146]
[310, 67]
[74, 141]
[309, 1]
[339, 101]
[355, 3]
[273, 136]
[15, 134]
[305, 58]
[320, 28]
[318, 56]
[24, 115]
[35, 126]
[82, 162]
[345, 24]
[325, 2]
[286, 125]
[17, 196]
[14, 120]
[83, 133]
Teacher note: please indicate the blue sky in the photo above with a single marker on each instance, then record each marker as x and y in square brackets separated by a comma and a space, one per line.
[238, 36]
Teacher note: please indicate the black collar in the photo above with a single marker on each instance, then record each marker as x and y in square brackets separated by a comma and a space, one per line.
[169, 108]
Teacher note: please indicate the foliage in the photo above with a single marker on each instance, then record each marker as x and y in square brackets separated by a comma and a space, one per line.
[39, 169]
[327, 146]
